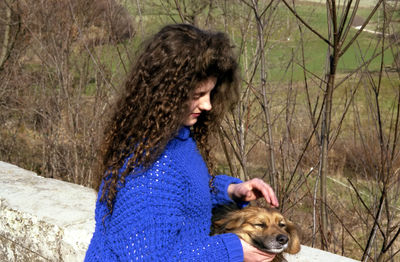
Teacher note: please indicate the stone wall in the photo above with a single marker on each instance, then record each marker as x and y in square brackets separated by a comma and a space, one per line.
[44, 219]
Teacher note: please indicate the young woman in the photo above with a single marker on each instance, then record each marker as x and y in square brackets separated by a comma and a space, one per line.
[156, 194]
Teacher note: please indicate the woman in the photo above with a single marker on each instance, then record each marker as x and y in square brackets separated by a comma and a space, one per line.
[157, 193]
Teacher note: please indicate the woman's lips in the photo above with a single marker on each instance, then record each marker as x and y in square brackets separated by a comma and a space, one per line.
[195, 115]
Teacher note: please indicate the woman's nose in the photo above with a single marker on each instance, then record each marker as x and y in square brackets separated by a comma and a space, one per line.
[205, 104]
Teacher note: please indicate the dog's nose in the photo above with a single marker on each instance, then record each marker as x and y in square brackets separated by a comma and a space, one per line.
[282, 239]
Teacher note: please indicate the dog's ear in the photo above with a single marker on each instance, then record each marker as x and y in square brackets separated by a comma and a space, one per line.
[294, 241]
[228, 224]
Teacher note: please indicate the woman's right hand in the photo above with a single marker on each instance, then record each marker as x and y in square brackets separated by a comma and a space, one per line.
[252, 254]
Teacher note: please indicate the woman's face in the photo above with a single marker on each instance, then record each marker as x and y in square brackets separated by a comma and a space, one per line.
[201, 100]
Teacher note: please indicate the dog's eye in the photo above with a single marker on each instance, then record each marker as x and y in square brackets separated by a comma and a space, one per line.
[261, 225]
[281, 224]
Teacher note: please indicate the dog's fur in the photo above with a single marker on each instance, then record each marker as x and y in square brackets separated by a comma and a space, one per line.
[263, 228]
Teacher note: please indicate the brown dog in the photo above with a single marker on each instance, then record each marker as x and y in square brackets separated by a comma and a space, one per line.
[265, 229]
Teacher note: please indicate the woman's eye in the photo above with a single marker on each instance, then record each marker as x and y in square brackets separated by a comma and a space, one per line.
[198, 95]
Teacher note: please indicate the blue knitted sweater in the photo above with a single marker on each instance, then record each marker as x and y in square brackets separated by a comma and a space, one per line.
[164, 214]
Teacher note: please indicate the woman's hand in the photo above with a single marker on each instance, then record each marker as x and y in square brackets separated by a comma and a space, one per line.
[252, 190]
[252, 254]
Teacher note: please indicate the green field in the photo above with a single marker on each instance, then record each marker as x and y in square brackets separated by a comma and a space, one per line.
[283, 43]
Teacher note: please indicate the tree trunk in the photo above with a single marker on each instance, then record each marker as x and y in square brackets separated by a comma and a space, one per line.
[325, 132]
[6, 40]
[263, 78]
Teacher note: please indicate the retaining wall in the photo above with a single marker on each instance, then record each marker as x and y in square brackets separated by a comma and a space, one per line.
[44, 219]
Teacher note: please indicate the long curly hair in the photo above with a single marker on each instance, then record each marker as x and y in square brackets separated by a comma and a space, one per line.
[154, 104]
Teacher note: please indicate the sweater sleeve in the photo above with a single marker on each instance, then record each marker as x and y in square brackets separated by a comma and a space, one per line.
[148, 224]
[220, 195]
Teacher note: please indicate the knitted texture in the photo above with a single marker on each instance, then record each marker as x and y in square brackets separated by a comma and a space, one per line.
[164, 213]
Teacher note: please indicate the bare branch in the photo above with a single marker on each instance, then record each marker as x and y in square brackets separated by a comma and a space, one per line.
[350, 43]
[306, 24]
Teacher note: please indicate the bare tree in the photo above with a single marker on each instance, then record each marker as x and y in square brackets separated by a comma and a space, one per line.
[11, 20]
[339, 24]
[57, 84]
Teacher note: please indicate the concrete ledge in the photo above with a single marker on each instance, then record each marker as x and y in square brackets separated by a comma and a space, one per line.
[309, 254]
[44, 219]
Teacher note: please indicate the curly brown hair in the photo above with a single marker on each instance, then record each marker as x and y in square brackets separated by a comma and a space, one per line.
[151, 110]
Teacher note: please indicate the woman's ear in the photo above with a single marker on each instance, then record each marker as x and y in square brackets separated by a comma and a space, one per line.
[294, 240]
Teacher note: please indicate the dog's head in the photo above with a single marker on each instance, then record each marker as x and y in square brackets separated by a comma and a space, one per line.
[265, 229]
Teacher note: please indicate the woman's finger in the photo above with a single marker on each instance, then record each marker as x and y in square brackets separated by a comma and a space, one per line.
[266, 191]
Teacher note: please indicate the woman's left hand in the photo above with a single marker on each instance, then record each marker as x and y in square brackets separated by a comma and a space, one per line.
[252, 190]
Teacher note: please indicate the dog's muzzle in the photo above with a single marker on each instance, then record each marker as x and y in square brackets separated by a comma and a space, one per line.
[272, 244]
